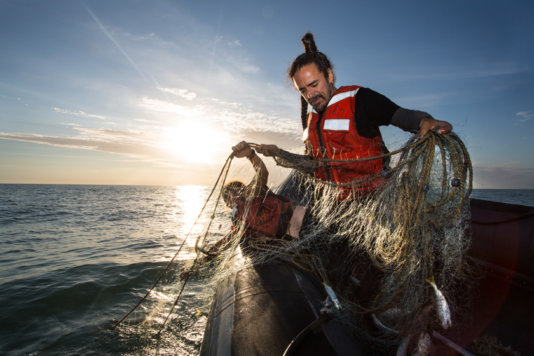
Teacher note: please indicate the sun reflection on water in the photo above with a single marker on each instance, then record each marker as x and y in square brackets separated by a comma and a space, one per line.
[192, 198]
[190, 225]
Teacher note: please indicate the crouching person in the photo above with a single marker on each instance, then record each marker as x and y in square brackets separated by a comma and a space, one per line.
[258, 213]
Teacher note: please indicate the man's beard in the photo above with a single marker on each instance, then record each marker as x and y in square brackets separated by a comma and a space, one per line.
[317, 108]
[314, 105]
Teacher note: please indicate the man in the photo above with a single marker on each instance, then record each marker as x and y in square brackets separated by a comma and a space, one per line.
[344, 125]
[341, 134]
[257, 211]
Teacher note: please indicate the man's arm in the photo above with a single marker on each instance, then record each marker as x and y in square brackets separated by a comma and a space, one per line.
[414, 121]
[303, 163]
[378, 110]
[257, 186]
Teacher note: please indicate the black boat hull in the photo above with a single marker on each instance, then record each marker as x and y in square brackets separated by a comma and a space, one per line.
[264, 308]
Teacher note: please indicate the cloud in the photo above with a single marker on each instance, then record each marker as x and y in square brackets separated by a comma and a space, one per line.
[510, 176]
[137, 144]
[525, 116]
[423, 102]
[78, 113]
[148, 138]
[239, 117]
[109, 134]
[229, 116]
[183, 93]
[122, 142]
[248, 68]
[48, 140]
[164, 106]
[235, 43]
[197, 65]
[199, 62]
[115, 42]
[495, 71]
[491, 70]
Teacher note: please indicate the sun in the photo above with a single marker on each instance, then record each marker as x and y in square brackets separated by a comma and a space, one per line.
[194, 141]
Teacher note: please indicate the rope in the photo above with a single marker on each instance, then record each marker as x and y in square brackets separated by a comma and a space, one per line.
[410, 153]
[162, 274]
[422, 236]
[406, 254]
[225, 169]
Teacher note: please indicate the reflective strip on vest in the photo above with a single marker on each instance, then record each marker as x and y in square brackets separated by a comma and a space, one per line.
[305, 134]
[341, 96]
[337, 97]
[336, 124]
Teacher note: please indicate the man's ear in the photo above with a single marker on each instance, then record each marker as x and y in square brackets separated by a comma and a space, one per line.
[331, 77]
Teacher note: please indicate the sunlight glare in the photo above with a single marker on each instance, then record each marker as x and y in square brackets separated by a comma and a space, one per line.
[194, 141]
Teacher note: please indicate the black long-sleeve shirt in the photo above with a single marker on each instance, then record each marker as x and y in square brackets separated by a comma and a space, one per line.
[372, 110]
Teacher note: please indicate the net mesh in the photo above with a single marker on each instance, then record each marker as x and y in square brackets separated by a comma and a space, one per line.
[395, 257]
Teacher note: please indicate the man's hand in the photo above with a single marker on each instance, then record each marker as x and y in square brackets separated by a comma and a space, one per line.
[440, 127]
[268, 150]
[242, 149]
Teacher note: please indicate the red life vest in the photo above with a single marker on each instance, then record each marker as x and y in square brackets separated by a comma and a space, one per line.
[264, 216]
[333, 135]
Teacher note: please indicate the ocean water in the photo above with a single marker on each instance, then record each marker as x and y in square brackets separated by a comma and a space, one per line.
[74, 259]
[510, 196]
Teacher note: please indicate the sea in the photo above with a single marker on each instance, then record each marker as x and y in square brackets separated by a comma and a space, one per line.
[76, 259]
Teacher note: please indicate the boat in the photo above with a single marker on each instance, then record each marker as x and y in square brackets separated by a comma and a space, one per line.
[277, 309]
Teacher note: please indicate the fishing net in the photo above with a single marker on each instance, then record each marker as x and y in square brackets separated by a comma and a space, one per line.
[403, 247]
[395, 258]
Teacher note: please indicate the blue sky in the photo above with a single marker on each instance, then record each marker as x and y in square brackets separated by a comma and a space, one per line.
[156, 92]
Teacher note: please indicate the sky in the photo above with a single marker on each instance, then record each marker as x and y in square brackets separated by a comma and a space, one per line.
[157, 92]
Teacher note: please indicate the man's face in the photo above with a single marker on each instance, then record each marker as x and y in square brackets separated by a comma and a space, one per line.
[314, 86]
[230, 197]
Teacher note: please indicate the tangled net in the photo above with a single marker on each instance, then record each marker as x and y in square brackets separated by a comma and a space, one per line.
[395, 258]
[403, 248]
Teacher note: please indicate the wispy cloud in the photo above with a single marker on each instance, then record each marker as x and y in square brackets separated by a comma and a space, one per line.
[198, 62]
[183, 93]
[112, 135]
[248, 68]
[164, 106]
[235, 43]
[422, 102]
[525, 116]
[78, 113]
[137, 145]
[228, 97]
[48, 140]
[130, 60]
[154, 139]
[230, 116]
[511, 175]
[491, 70]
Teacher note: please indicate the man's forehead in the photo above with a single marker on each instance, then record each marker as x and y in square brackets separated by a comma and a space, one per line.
[310, 67]
[307, 75]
